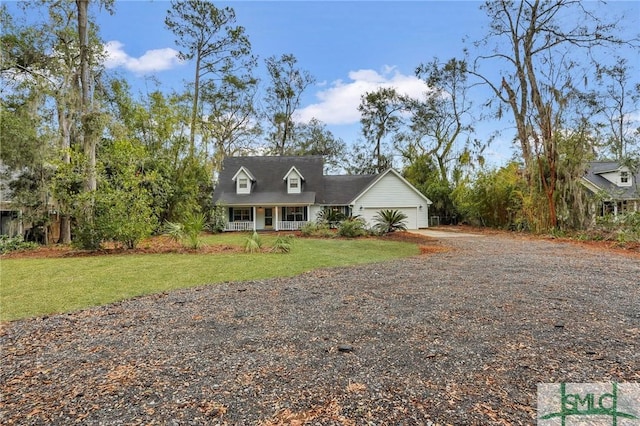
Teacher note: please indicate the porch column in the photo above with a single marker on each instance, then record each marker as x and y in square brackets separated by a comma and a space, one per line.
[275, 209]
[254, 218]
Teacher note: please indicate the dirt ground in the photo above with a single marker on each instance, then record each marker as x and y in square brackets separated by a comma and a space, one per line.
[460, 335]
[163, 244]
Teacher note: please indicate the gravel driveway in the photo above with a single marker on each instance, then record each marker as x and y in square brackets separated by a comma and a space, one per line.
[456, 337]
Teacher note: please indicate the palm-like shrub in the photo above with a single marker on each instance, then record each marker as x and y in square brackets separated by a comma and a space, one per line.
[194, 224]
[390, 221]
[330, 217]
[282, 244]
[253, 244]
[188, 231]
[352, 227]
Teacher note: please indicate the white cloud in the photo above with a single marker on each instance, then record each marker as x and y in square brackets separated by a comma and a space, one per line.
[152, 61]
[338, 103]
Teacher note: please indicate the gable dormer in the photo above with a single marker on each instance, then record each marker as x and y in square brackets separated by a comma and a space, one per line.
[621, 177]
[244, 180]
[294, 180]
[626, 177]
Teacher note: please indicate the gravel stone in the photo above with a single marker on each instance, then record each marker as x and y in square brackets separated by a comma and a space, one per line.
[457, 336]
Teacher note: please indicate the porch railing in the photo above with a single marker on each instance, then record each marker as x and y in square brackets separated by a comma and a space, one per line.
[239, 226]
[290, 225]
[248, 226]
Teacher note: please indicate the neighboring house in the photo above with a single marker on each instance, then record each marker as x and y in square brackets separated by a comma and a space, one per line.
[10, 216]
[14, 218]
[616, 185]
[284, 193]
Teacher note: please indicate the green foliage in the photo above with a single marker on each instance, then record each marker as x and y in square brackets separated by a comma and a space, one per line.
[287, 83]
[253, 243]
[21, 146]
[124, 205]
[426, 177]
[320, 230]
[8, 244]
[188, 232]
[218, 221]
[361, 160]
[88, 235]
[390, 221]
[122, 209]
[623, 228]
[174, 230]
[380, 116]
[308, 229]
[495, 198]
[352, 227]
[125, 216]
[282, 244]
[193, 226]
[313, 138]
[330, 217]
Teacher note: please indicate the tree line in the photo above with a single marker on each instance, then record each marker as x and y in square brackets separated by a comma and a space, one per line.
[118, 166]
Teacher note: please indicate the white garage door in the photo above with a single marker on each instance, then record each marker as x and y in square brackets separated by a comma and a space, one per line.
[411, 221]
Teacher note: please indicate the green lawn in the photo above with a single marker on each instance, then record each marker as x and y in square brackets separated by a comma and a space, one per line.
[33, 287]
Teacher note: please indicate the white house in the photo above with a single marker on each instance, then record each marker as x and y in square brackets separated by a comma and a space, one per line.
[283, 193]
[616, 184]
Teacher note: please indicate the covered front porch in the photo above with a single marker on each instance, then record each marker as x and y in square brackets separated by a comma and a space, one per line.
[267, 218]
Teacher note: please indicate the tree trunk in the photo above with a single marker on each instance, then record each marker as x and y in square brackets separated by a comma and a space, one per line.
[65, 128]
[89, 133]
[194, 109]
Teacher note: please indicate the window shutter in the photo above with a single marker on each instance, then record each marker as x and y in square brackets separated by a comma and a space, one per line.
[284, 213]
[305, 211]
[230, 214]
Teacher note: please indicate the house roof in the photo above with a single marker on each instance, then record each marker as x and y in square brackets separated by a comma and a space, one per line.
[595, 181]
[341, 190]
[269, 186]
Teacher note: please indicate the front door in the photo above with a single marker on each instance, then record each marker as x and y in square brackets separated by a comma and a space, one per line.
[268, 217]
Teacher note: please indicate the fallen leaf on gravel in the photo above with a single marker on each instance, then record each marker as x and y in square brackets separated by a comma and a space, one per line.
[455, 339]
[356, 387]
[212, 408]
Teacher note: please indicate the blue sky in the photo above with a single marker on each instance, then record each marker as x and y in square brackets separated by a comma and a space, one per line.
[349, 47]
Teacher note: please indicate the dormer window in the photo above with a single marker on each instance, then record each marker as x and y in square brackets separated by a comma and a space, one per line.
[243, 179]
[624, 177]
[294, 179]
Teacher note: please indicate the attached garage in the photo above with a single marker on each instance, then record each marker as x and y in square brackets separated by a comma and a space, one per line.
[411, 221]
[390, 191]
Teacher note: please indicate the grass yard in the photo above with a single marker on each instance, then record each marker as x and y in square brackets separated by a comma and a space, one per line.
[41, 286]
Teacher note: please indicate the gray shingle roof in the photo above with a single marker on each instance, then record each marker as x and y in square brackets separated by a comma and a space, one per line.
[270, 188]
[593, 176]
[341, 190]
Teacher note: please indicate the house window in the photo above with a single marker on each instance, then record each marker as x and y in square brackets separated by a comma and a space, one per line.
[243, 184]
[293, 214]
[293, 183]
[624, 177]
[241, 215]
